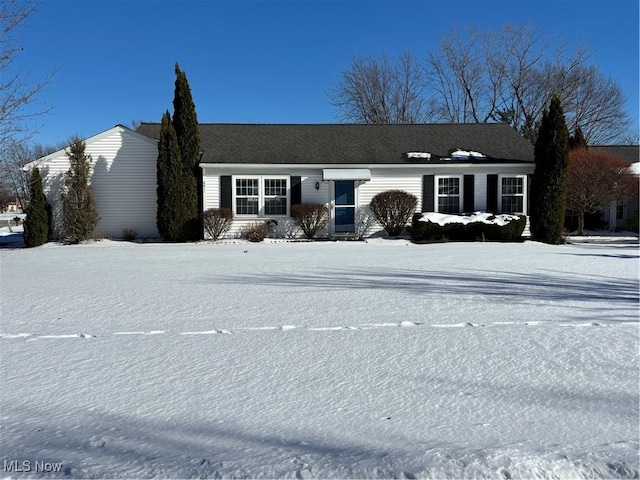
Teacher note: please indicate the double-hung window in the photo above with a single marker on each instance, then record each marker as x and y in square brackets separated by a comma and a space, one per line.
[449, 194]
[512, 193]
[275, 196]
[247, 196]
[261, 196]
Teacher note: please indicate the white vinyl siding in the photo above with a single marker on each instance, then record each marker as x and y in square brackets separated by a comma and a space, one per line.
[382, 179]
[123, 180]
[390, 179]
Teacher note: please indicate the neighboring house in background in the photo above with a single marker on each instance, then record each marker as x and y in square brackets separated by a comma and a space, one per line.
[260, 171]
[123, 181]
[12, 207]
[618, 213]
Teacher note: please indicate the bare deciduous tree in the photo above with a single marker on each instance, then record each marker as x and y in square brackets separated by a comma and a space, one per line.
[19, 105]
[594, 181]
[509, 74]
[13, 157]
[375, 90]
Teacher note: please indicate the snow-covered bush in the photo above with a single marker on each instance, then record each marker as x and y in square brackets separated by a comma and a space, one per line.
[478, 226]
[310, 217]
[393, 209]
[216, 221]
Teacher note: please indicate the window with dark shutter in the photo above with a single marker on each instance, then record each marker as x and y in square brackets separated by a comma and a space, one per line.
[225, 192]
[492, 193]
[427, 193]
[468, 199]
[296, 190]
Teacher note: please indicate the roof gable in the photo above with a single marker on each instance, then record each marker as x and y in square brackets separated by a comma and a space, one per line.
[88, 141]
[356, 144]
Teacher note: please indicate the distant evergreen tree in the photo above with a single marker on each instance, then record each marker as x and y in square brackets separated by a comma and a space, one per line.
[549, 183]
[185, 122]
[171, 214]
[577, 140]
[36, 225]
[80, 214]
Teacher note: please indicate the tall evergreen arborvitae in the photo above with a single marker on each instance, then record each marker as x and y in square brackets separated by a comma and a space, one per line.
[172, 214]
[577, 140]
[185, 122]
[80, 213]
[549, 183]
[36, 225]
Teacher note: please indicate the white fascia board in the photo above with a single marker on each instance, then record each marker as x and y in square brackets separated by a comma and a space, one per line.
[346, 174]
[370, 166]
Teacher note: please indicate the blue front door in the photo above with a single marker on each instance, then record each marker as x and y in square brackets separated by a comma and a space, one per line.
[345, 206]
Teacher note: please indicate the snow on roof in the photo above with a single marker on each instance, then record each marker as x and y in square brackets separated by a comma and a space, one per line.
[635, 168]
[467, 154]
[426, 155]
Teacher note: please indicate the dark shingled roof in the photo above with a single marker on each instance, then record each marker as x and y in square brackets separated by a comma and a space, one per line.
[626, 153]
[355, 144]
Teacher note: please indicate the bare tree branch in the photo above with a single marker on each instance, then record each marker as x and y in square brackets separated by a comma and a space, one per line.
[19, 107]
[508, 74]
[375, 90]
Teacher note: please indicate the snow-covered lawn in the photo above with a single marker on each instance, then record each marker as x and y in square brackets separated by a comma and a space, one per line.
[320, 360]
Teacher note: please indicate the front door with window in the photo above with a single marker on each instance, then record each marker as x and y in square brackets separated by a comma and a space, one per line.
[344, 206]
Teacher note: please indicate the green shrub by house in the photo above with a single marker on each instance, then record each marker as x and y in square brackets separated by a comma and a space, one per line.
[36, 225]
[549, 182]
[80, 214]
[426, 231]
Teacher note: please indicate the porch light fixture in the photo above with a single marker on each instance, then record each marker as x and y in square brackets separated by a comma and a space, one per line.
[317, 185]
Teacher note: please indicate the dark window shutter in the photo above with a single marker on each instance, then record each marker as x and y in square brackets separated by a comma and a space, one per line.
[427, 193]
[296, 190]
[468, 200]
[528, 195]
[225, 192]
[492, 193]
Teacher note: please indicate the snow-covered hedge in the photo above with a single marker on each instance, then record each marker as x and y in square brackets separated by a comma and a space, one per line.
[428, 227]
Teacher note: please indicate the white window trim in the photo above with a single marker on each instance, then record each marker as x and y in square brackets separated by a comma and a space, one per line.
[261, 195]
[523, 194]
[436, 194]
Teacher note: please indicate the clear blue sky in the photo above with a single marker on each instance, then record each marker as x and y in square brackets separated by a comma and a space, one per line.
[269, 61]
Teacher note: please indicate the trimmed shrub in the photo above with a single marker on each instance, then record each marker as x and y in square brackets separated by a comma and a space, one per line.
[310, 217]
[393, 209]
[217, 221]
[426, 231]
[129, 235]
[256, 231]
